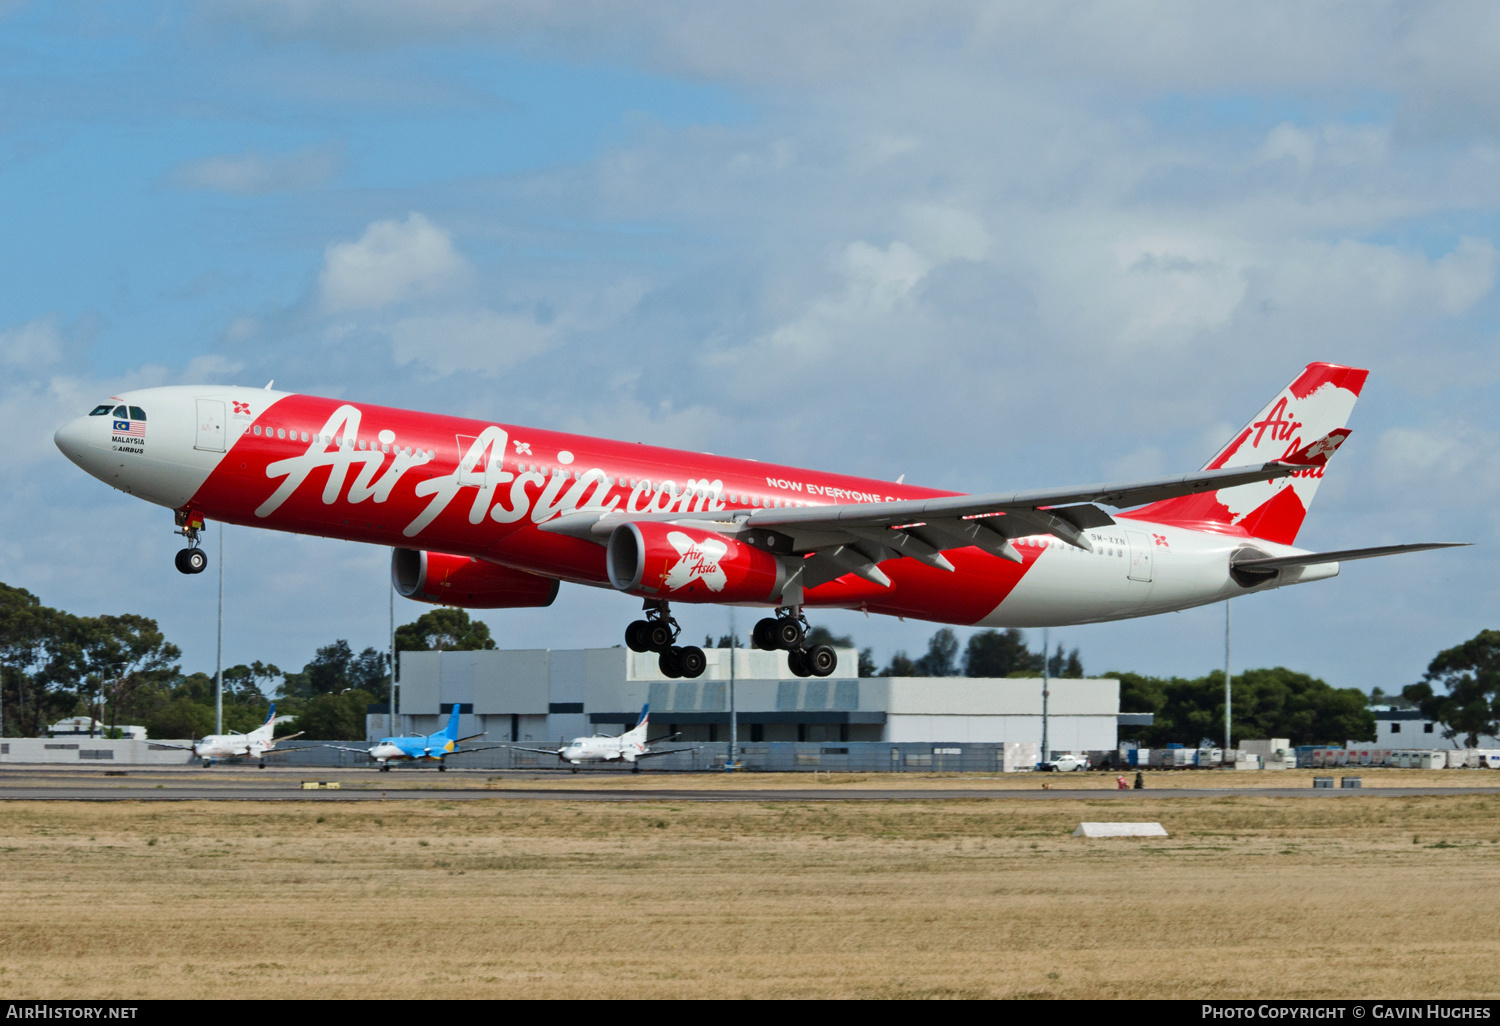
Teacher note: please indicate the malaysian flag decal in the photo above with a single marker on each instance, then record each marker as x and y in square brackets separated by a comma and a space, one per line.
[130, 429]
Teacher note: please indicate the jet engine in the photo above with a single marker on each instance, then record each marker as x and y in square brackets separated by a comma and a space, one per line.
[448, 580]
[657, 560]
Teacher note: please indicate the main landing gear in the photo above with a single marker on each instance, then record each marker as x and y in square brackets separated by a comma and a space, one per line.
[191, 560]
[658, 633]
[787, 631]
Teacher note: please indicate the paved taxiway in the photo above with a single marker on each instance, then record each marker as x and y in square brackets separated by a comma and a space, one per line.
[150, 784]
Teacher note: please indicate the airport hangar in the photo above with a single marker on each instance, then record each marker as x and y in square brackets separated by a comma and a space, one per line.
[549, 695]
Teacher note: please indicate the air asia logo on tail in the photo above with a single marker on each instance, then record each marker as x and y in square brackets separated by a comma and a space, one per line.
[1303, 426]
[699, 562]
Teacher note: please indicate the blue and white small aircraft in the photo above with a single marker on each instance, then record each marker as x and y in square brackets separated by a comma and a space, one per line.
[420, 747]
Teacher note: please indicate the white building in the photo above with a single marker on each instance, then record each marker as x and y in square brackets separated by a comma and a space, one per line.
[85, 726]
[1408, 728]
[543, 695]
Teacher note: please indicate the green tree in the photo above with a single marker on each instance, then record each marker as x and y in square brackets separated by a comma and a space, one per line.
[444, 630]
[1274, 702]
[112, 658]
[941, 659]
[901, 665]
[250, 683]
[181, 717]
[1065, 666]
[999, 654]
[336, 668]
[1470, 677]
[31, 640]
[1379, 696]
[334, 717]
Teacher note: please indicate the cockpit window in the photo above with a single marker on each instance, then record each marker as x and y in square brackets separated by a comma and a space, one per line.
[136, 413]
[122, 413]
[101, 410]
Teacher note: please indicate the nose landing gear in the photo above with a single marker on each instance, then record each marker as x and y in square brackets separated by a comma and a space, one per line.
[191, 560]
[657, 633]
[787, 631]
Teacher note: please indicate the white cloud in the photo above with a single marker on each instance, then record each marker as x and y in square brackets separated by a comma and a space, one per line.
[391, 262]
[251, 174]
[1333, 144]
[478, 340]
[33, 344]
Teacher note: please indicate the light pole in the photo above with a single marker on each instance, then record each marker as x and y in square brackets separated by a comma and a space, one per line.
[1228, 694]
[390, 718]
[1046, 687]
[734, 719]
[219, 657]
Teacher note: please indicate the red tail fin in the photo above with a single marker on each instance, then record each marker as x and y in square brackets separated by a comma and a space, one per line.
[1315, 405]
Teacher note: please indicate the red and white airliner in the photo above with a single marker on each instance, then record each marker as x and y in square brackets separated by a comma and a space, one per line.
[487, 515]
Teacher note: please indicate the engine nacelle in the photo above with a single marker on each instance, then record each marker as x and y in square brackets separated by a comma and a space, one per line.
[665, 561]
[448, 580]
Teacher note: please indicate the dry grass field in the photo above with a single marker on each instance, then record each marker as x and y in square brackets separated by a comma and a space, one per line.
[1253, 896]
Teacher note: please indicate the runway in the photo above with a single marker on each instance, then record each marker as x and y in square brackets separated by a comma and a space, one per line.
[155, 785]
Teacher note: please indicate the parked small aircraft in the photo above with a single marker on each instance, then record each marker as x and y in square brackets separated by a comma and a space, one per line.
[419, 747]
[630, 746]
[255, 745]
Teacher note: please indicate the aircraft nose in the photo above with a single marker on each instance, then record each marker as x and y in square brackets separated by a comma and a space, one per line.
[74, 439]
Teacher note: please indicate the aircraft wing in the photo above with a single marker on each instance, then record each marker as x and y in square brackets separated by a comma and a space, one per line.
[659, 740]
[856, 537]
[1270, 563]
[519, 748]
[472, 737]
[487, 748]
[342, 748]
[285, 737]
[673, 751]
[180, 748]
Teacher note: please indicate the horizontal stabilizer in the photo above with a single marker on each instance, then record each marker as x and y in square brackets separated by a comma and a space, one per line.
[1343, 556]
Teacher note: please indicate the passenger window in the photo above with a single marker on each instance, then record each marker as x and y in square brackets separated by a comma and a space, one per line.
[136, 413]
[99, 411]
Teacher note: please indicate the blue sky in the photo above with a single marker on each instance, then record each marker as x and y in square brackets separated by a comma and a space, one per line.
[985, 245]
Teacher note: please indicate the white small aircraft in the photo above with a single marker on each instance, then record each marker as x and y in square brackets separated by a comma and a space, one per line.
[255, 745]
[630, 746]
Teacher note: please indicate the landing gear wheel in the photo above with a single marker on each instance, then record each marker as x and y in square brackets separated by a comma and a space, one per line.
[658, 636]
[821, 660]
[635, 636]
[657, 632]
[385, 768]
[796, 661]
[692, 661]
[261, 764]
[635, 767]
[442, 768]
[764, 634]
[789, 634]
[191, 561]
[670, 662]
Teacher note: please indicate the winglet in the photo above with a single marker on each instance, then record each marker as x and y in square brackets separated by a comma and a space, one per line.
[1318, 453]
